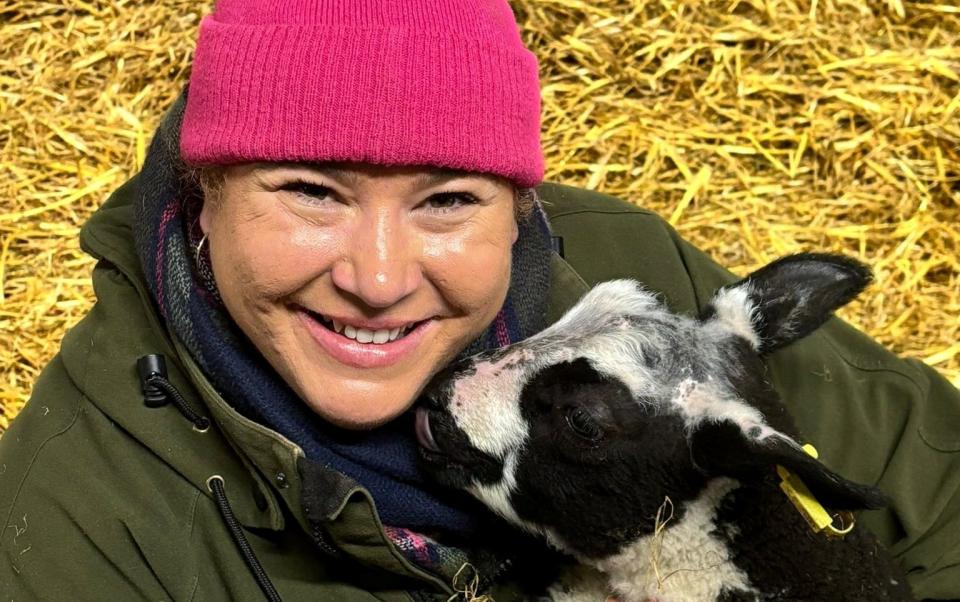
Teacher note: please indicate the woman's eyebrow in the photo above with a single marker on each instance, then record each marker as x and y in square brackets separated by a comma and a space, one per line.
[333, 172]
[425, 179]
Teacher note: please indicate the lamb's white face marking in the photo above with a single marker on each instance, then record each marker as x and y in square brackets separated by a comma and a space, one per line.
[497, 498]
[497, 495]
[485, 406]
[692, 562]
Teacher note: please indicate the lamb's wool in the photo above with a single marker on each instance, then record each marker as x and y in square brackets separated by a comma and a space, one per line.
[685, 562]
[737, 312]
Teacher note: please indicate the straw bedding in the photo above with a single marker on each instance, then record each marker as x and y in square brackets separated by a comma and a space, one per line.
[756, 127]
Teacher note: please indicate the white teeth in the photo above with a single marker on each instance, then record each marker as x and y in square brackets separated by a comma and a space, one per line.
[365, 335]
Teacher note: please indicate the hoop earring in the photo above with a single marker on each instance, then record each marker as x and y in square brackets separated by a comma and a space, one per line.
[200, 244]
[201, 263]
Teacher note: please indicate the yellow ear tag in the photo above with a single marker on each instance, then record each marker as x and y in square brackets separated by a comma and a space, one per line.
[815, 514]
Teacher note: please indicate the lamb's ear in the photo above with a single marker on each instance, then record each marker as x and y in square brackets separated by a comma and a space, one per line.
[723, 449]
[788, 299]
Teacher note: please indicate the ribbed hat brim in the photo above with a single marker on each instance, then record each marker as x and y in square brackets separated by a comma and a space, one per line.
[391, 96]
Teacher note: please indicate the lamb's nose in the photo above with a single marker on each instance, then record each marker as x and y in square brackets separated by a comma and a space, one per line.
[424, 434]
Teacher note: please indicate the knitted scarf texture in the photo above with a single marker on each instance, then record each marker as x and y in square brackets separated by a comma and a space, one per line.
[383, 460]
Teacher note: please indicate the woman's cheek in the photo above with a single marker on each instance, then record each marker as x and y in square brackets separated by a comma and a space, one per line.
[472, 268]
[278, 262]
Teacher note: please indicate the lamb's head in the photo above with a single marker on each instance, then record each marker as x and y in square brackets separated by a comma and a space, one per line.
[580, 432]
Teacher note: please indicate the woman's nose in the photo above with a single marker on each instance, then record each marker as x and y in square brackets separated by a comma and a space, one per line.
[381, 265]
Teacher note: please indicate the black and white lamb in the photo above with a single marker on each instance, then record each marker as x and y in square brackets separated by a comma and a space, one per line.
[646, 445]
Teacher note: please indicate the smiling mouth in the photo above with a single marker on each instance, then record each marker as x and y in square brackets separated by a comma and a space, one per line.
[364, 335]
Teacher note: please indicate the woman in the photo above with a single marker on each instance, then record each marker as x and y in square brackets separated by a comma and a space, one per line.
[342, 203]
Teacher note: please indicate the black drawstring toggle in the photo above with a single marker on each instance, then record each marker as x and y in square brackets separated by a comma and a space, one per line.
[158, 391]
[148, 367]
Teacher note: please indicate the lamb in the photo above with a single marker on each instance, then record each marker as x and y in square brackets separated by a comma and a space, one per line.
[647, 445]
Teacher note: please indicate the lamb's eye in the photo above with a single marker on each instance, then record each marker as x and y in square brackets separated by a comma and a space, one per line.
[583, 424]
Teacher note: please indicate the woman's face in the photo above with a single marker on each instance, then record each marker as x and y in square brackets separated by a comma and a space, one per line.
[358, 283]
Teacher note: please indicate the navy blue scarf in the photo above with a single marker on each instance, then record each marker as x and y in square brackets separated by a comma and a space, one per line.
[384, 460]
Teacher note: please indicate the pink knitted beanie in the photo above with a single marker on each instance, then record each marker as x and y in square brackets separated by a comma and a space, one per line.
[445, 83]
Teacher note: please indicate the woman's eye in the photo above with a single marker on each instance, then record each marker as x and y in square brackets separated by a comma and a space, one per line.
[449, 201]
[313, 193]
[583, 424]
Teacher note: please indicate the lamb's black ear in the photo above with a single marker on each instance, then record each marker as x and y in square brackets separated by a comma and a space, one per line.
[789, 298]
[723, 449]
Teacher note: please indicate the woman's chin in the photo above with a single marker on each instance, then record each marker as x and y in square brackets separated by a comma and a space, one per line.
[358, 416]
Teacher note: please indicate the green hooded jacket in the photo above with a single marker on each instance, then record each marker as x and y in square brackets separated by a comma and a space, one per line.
[105, 498]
